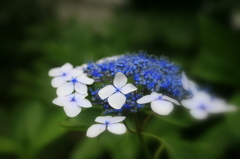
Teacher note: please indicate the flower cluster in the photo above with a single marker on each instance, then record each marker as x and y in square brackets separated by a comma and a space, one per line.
[202, 103]
[67, 80]
[125, 84]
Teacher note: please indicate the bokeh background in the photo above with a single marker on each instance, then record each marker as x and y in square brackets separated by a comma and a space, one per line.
[37, 35]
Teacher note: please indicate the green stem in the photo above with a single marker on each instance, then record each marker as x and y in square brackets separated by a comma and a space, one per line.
[158, 152]
[140, 137]
[146, 120]
[159, 139]
[129, 129]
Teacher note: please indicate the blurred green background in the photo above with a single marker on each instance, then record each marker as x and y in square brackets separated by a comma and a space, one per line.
[37, 35]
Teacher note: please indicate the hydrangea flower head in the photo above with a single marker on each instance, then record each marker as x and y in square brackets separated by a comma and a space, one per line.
[125, 84]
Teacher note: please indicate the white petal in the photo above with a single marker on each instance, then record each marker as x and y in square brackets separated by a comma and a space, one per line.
[82, 66]
[128, 88]
[58, 101]
[55, 72]
[75, 72]
[80, 96]
[84, 103]
[72, 109]
[66, 67]
[193, 87]
[156, 94]
[106, 59]
[85, 80]
[231, 108]
[148, 98]
[198, 113]
[188, 84]
[190, 103]
[200, 98]
[117, 119]
[103, 119]
[106, 91]
[57, 81]
[184, 81]
[81, 88]
[170, 99]
[117, 128]
[162, 107]
[95, 130]
[217, 106]
[65, 89]
[117, 100]
[119, 80]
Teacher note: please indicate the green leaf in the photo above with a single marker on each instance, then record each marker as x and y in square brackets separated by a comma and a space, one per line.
[7, 145]
[171, 120]
[233, 118]
[219, 53]
[51, 129]
[75, 127]
[87, 149]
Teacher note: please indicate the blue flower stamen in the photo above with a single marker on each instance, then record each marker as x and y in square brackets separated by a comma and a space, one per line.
[74, 80]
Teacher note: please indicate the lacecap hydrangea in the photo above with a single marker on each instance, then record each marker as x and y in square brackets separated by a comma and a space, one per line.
[125, 84]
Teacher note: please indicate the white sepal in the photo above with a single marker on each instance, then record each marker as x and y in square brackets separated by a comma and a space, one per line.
[117, 100]
[95, 130]
[119, 80]
[106, 91]
[65, 89]
[162, 107]
[117, 128]
[128, 88]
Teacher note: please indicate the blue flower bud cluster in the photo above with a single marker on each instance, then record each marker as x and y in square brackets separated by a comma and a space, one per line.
[147, 72]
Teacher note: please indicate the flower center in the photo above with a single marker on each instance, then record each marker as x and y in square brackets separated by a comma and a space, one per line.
[118, 89]
[74, 80]
[202, 106]
[64, 74]
[106, 123]
[73, 99]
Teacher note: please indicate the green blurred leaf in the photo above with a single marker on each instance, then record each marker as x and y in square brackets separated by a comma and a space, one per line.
[87, 149]
[171, 120]
[7, 145]
[180, 149]
[75, 127]
[107, 144]
[51, 129]
[219, 53]
[215, 141]
[233, 118]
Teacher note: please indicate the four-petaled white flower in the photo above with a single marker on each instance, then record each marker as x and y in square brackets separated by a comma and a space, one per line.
[72, 103]
[202, 104]
[116, 92]
[160, 104]
[78, 80]
[188, 84]
[109, 122]
[60, 74]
